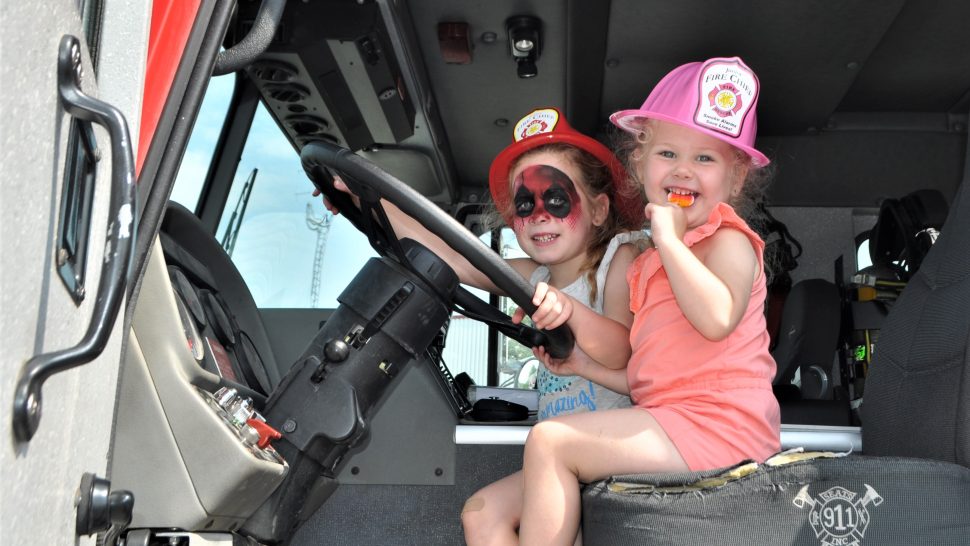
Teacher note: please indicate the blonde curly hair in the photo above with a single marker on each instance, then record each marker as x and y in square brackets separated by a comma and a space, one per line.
[748, 203]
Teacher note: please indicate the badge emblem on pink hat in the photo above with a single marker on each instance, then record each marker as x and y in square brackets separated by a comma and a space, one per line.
[727, 91]
[717, 97]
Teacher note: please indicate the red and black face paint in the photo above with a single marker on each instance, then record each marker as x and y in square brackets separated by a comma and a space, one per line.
[542, 189]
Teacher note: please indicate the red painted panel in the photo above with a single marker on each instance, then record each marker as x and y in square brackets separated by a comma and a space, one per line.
[171, 24]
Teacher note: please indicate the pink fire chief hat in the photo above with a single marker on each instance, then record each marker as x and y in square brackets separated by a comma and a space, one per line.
[717, 97]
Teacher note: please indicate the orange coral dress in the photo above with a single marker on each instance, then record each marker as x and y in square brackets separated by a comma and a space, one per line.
[712, 398]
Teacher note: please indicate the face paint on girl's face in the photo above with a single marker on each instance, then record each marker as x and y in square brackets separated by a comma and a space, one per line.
[541, 190]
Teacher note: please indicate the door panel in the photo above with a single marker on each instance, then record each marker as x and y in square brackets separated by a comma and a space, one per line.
[39, 313]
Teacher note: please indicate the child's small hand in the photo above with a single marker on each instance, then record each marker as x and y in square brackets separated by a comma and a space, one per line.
[667, 221]
[553, 308]
[340, 185]
[571, 365]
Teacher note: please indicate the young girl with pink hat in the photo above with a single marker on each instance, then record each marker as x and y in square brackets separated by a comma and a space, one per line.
[700, 373]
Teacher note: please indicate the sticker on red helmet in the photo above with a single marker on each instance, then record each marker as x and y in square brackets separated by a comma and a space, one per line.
[536, 123]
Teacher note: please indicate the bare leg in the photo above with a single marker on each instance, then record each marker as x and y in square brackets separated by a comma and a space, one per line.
[564, 451]
[491, 516]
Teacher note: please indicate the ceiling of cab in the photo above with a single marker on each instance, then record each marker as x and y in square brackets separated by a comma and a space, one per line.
[813, 58]
[864, 64]
[480, 102]
[885, 76]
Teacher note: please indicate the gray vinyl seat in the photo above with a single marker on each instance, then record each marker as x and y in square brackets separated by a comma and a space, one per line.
[911, 485]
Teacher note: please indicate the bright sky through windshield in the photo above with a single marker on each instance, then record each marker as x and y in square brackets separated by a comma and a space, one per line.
[276, 243]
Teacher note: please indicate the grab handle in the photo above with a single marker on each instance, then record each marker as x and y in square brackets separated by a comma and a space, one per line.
[118, 244]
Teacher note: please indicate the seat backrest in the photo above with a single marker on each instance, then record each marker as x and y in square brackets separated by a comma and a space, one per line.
[201, 270]
[808, 336]
[917, 397]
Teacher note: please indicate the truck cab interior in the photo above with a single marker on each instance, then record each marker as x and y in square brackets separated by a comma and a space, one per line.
[294, 377]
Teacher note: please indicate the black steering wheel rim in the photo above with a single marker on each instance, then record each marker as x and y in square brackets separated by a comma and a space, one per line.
[319, 156]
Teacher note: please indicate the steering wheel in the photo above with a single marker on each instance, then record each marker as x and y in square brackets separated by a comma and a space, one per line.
[370, 183]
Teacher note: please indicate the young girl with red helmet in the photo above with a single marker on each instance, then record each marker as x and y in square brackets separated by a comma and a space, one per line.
[560, 192]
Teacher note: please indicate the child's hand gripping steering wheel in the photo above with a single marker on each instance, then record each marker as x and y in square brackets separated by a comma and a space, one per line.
[371, 183]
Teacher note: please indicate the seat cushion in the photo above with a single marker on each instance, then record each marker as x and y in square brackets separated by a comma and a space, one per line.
[819, 501]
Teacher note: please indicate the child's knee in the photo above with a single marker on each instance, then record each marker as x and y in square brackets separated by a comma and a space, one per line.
[543, 436]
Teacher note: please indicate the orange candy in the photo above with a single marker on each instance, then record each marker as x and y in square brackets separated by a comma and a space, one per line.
[680, 200]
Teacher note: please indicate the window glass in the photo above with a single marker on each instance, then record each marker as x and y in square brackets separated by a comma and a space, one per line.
[291, 251]
[516, 364]
[202, 143]
[295, 254]
[862, 258]
[466, 348]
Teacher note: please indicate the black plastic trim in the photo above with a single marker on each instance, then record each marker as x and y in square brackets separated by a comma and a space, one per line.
[255, 42]
[175, 126]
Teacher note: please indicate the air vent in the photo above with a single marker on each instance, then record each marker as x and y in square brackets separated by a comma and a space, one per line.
[290, 92]
[273, 71]
[307, 125]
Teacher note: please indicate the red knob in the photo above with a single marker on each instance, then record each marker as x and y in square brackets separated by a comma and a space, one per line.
[266, 433]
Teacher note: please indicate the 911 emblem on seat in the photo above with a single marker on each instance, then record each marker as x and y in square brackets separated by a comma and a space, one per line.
[837, 517]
